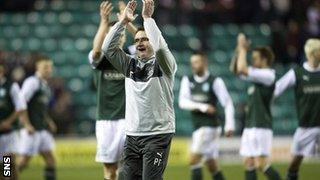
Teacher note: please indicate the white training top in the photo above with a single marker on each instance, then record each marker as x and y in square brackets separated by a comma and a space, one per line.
[149, 82]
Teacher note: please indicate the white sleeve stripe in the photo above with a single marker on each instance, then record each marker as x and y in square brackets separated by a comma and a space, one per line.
[220, 90]
[17, 98]
[225, 100]
[185, 101]
[94, 63]
[285, 82]
[262, 76]
[29, 87]
[168, 62]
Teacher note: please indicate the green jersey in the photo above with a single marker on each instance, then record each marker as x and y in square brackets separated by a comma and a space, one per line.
[110, 86]
[260, 94]
[259, 112]
[6, 102]
[202, 92]
[307, 95]
[38, 95]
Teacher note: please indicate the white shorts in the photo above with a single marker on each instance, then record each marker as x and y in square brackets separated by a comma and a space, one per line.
[306, 141]
[16, 140]
[256, 142]
[110, 140]
[205, 142]
[40, 141]
[8, 143]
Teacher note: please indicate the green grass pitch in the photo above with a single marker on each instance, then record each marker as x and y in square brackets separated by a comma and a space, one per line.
[309, 171]
[75, 161]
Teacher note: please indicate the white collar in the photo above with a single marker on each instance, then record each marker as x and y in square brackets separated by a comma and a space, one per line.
[201, 78]
[146, 60]
[309, 68]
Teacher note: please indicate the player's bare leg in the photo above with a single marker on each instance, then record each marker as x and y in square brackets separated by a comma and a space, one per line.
[213, 167]
[262, 163]
[196, 167]
[250, 169]
[294, 168]
[110, 171]
[23, 162]
[50, 168]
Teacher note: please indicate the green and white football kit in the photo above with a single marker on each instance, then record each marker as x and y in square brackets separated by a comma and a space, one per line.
[196, 93]
[37, 95]
[256, 139]
[306, 83]
[11, 100]
[110, 131]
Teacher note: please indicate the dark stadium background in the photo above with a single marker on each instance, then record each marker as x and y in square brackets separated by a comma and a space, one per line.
[64, 31]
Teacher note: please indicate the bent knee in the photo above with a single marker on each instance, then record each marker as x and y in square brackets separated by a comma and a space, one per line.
[212, 165]
[295, 163]
[262, 163]
[195, 160]
[249, 163]
[50, 162]
[112, 168]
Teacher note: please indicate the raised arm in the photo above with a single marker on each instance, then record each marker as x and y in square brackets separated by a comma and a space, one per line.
[164, 56]
[220, 90]
[287, 81]
[241, 62]
[117, 57]
[132, 29]
[233, 63]
[95, 56]
[262, 76]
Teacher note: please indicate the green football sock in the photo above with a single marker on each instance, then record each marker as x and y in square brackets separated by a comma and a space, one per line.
[196, 173]
[292, 175]
[251, 174]
[271, 173]
[50, 173]
[218, 176]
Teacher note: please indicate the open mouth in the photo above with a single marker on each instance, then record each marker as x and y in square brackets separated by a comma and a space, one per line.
[141, 48]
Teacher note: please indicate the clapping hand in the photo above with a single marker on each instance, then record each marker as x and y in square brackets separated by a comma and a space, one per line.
[148, 8]
[105, 10]
[128, 13]
[243, 42]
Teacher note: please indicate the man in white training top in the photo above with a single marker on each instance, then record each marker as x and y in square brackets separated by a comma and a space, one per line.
[149, 76]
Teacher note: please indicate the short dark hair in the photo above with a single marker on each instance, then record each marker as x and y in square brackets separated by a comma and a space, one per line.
[267, 53]
[41, 58]
[140, 29]
[200, 53]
